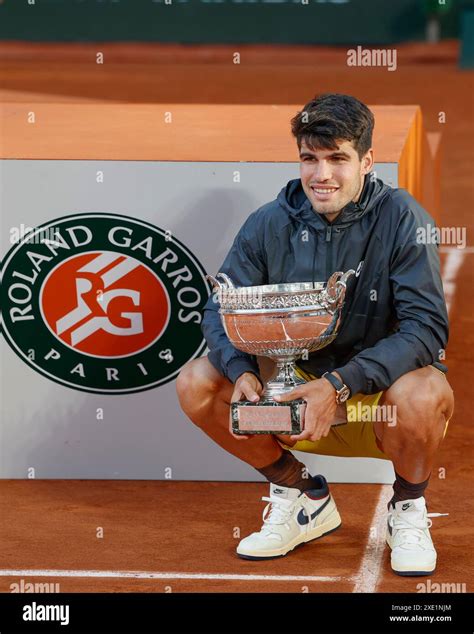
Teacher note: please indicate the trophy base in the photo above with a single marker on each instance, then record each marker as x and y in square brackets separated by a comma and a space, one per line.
[268, 417]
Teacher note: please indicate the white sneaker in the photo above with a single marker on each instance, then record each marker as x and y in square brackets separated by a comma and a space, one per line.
[408, 536]
[293, 518]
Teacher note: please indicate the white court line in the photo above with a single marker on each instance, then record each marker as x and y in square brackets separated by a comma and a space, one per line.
[369, 570]
[452, 264]
[143, 574]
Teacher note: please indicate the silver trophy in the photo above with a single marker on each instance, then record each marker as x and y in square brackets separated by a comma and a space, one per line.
[283, 322]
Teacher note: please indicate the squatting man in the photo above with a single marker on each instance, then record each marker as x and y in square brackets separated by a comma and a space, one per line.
[338, 216]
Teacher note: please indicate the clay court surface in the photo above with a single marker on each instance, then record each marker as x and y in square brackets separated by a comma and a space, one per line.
[179, 536]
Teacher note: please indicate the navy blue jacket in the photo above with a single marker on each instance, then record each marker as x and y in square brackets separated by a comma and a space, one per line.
[394, 318]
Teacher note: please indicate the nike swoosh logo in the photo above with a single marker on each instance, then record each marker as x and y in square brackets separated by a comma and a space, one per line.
[304, 519]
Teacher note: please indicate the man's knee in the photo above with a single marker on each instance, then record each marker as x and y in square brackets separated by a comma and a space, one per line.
[423, 402]
[198, 382]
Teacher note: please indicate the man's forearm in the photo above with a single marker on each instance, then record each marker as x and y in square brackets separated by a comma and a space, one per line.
[377, 368]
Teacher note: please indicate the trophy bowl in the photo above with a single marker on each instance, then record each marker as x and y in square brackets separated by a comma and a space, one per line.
[283, 322]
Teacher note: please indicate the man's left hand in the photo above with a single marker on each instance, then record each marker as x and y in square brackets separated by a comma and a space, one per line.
[320, 397]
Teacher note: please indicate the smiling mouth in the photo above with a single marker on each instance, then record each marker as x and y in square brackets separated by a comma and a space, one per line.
[320, 191]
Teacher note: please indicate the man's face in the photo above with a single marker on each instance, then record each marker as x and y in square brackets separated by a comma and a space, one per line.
[333, 178]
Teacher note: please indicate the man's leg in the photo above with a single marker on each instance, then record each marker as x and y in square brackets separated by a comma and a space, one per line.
[300, 506]
[205, 396]
[423, 402]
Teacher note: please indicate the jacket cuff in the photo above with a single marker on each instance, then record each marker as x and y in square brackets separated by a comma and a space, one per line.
[353, 376]
[238, 366]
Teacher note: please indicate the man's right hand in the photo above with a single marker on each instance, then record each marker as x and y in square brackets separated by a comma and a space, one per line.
[246, 388]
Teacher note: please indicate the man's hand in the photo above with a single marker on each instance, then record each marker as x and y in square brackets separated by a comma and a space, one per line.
[320, 397]
[246, 388]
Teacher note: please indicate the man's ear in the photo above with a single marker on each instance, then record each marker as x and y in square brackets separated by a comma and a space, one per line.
[367, 161]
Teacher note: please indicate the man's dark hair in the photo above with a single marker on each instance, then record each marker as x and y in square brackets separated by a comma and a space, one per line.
[331, 117]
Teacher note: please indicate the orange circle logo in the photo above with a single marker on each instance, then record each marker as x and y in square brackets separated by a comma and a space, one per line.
[104, 304]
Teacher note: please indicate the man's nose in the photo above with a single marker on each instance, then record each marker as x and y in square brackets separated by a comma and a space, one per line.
[322, 171]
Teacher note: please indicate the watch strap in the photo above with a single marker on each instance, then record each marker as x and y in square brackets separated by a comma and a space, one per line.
[335, 382]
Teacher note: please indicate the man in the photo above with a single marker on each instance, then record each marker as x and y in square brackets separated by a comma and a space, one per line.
[338, 216]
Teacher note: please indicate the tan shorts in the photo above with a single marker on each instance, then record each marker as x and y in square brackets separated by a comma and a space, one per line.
[356, 438]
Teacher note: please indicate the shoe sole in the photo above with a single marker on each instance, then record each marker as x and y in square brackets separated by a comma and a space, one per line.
[411, 573]
[299, 543]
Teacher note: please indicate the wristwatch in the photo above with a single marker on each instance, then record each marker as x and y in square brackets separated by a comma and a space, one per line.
[342, 391]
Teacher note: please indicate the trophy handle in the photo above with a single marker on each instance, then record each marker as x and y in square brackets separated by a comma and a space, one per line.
[228, 283]
[342, 281]
[214, 283]
[335, 290]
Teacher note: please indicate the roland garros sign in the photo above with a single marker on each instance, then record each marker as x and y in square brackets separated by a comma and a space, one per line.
[103, 303]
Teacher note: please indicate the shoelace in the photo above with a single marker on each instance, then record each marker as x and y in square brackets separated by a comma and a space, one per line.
[412, 530]
[280, 513]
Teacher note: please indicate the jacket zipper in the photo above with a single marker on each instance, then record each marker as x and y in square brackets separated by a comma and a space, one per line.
[328, 251]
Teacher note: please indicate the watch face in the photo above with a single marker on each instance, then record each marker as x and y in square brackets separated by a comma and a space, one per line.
[344, 394]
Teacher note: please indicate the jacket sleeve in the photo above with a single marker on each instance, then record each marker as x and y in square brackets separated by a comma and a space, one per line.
[420, 308]
[246, 266]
